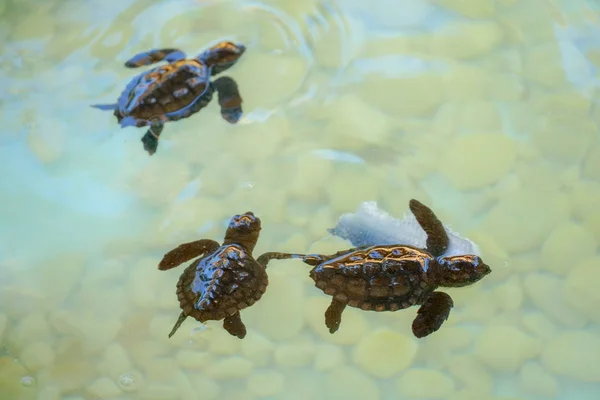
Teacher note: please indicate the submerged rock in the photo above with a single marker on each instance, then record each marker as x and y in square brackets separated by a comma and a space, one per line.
[370, 225]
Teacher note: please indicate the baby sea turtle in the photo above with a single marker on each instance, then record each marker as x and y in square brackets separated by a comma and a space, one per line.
[394, 277]
[177, 90]
[225, 279]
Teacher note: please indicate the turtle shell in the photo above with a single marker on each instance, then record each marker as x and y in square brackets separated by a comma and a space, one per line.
[166, 93]
[376, 278]
[221, 284]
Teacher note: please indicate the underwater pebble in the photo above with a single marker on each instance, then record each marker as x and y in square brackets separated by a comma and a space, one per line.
[269, 87]
[505, 348]
[350, 384]
[191, 359]
[103, 387]
[47, 140]
[352, 329]
[471, 373]
[466, 155]
[328, 357]
[425, 383]
[466, 40]
[115, 361]
[256, 348]
[312, 172]
[357, 122]
[581, 288]
[221, 342]
[3, 324]
[30, 328]
[233, 367]
[535, 380]
[257, 142]
[267, 383]
[549, 139]
[591, 163]
[538, 324]
[568, 242]
[40, 25]
[280, 315]
[295, 354]
[470, 8]
[585, 199]
[515, 234]
[385, 353]
[49, 393]
[462, 82]
[478, 116]
[37, 355]
[547, 293]
[509, 295]
[381, 92]
[158, 392]
[573, 354]
[160, 182]
[542, 64]
[201, 384]
[342, 197]
[144, 350]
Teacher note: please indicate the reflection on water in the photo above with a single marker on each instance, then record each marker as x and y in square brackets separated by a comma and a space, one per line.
[485, 110]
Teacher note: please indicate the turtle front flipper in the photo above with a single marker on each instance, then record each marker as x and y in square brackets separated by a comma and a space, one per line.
[154, 56]
[333, 315]
[234, 325]
[187, 251]
[264, 259]
[150, 139]
[437, 238]
[229, 99]
[432, 314]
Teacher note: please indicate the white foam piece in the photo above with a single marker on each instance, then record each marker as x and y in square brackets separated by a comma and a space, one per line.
[370, 225]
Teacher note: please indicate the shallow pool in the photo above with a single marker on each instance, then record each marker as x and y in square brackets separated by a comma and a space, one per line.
[486, 110]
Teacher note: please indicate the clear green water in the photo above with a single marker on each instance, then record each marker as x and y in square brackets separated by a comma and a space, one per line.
[484, 110]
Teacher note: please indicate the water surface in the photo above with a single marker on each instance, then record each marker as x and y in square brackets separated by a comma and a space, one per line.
[484, 110]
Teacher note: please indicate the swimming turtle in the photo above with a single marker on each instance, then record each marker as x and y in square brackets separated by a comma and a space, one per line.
[224, 279]
[393, 277]
[178, 89]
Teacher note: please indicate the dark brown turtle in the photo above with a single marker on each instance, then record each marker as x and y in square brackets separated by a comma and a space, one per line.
[394, 277]
[177, 90]
[224, 279]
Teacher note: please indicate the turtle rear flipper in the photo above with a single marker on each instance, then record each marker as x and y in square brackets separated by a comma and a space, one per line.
[229, 99]
[182, 317]
[437, 238]
[432, 314]
[234, 325]
[150, 139]
[333, 315]
[187, 251]
[153, 56]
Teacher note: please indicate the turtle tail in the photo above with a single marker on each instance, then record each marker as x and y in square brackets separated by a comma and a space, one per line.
[105, 106]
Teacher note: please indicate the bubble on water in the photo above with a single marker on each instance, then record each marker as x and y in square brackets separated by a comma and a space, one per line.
[27, 381]
[130, 381]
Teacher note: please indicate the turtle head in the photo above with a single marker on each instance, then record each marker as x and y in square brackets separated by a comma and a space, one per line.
[458, 271]
[243, 229]
[222, 56]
